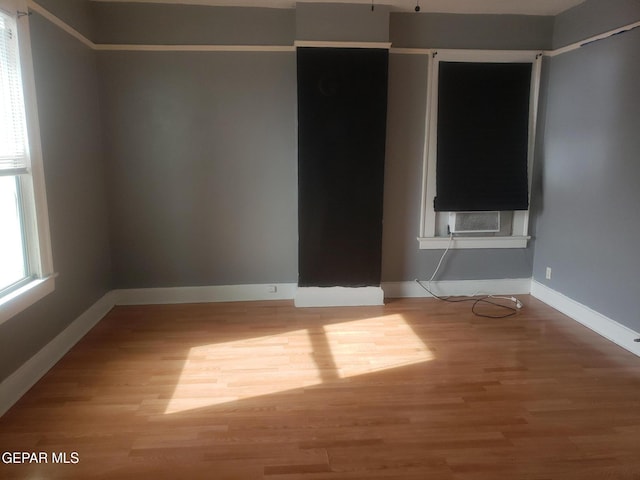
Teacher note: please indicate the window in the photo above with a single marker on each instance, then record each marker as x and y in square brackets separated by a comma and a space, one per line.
[481, 115]
[25, 252]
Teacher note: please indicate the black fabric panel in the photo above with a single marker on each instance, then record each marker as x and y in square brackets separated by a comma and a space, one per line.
[483, 118]
[342, 109]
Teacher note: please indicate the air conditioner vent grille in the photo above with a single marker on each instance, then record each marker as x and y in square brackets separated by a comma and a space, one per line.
[474, 222]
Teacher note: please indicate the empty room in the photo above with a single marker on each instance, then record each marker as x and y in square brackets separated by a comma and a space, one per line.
[197, 282]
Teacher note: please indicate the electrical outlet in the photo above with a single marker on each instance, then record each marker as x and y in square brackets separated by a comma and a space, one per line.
[547, 274]
[272, 289]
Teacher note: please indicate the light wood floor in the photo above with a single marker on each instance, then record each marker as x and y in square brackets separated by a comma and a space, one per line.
[417, 389]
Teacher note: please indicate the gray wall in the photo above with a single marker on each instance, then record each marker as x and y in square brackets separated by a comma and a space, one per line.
[68, 108]
[587, 220]
[163, 24]
[591, 18]
[187, 203]
[202, 161]
[200, 147]
[446, 30]
[342, 22]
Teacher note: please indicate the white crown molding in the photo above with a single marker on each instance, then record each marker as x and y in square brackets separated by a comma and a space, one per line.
[152, 48]
[59, 23]
[193, 48]
[575, 46]
[275, 48]
[497, 7]
[411, 51]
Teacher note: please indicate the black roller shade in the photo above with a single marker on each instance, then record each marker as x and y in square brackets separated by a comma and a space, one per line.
[483, 124]
[342, 111]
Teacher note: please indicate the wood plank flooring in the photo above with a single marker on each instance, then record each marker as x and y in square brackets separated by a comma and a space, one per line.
[416, 389]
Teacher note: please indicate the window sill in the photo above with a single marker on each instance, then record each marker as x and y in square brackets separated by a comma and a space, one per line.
[22, 298]
[440, 243]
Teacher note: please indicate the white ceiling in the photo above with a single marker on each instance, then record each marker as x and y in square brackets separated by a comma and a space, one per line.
[522, 7]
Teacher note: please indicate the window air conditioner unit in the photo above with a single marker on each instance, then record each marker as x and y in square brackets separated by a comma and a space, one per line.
[474, 222]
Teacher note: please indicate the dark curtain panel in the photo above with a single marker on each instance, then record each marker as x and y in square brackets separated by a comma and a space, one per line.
[342, 109]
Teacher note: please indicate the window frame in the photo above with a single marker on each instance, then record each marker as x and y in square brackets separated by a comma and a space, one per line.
[428, 239]
[32, 185]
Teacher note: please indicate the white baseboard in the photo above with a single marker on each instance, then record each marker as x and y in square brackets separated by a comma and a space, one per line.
[338, 296]
[20, 381]
[605, 326]
[511, 286]
[215, 293]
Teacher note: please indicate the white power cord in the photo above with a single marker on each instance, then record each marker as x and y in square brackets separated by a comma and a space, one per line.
[518, 303]
[488, 295]
[513, 299]
[435, 272]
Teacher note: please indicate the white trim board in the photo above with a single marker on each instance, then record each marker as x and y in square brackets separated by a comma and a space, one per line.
[18, 300]
[59, 23]
[575, 46]
[284, 48]
[338, 296]
[547, 53]
[328, 44]
[508, 286]
[152, 48]
[19, 382]
[411, 51]
[25, 377]
[192, 48]
[440, 243]
[602, 325]
[206, 294]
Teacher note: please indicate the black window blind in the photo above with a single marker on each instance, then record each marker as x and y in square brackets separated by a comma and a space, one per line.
[482, 140]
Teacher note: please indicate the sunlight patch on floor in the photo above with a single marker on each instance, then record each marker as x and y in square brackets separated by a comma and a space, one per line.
[374, 344]
[224, 372]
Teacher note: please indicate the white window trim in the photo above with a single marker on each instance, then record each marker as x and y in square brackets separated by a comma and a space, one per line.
[33, 186]
[22, 298]
[427, 238]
